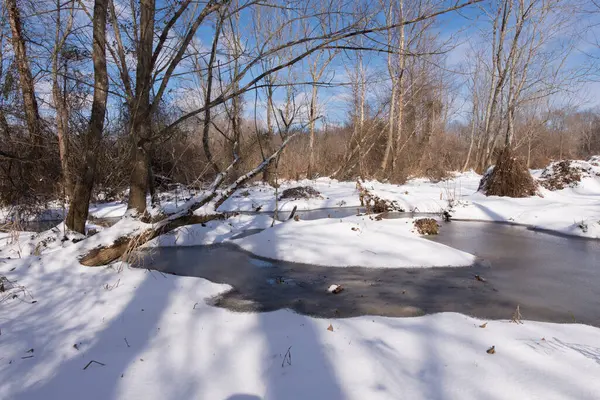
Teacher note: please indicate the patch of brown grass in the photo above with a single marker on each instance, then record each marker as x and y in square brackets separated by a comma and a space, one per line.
[427, 226]
[561, 175]
[373, 203]
[300, 192]
[509, 177]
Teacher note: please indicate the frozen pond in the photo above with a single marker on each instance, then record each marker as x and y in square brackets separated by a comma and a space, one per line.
[552, 278]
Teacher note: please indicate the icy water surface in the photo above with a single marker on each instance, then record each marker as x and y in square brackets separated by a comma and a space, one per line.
[552, 278]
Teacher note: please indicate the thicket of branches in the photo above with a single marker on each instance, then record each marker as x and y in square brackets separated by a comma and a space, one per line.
[105, 97]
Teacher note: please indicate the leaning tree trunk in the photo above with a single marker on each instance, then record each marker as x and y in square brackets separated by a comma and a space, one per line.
[78, 208]
[211, 199]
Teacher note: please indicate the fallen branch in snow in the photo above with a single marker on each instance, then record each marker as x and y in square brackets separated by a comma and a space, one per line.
[126, 245]
[90, 363]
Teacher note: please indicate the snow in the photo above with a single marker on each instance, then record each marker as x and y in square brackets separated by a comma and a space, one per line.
[113, 209]
[211, 232]
[571, 211]
[353, 241]
[53, 240]
[259, 195]
[332, 288]
[157, 338]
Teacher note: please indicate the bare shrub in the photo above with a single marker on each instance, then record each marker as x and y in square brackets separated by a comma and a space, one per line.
[562, 174]
[300, 192]
[11, 290]
[427, 226]
[373, 203]
[509, 177]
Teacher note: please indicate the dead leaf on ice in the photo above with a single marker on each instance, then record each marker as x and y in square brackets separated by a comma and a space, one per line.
[483, 325]
[330, 328]
[491, 350]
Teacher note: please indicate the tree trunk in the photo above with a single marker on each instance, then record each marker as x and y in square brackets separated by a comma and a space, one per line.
[400, 89]
[138, 181]
[311, 140]
[473, 128]
[25, 77]
[62, 124]
[78, 208]
[59, 97]
[267, 171]
[141, 126]
[390, 137]
[466, 164]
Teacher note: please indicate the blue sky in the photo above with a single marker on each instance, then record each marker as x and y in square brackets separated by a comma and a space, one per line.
[462, 26]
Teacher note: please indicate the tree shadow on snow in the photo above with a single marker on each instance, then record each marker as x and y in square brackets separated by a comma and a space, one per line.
[117, 345]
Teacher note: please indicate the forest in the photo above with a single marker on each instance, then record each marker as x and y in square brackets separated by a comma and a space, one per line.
[103, 98]
[299, 199]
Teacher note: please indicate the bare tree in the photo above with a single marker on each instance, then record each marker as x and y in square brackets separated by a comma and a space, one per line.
[30, 104]
[59, 94]
[78, 207]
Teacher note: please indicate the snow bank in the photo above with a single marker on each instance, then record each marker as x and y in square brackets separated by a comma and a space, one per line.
[144, 335]
[353, 241]
[262, 196]
[211, 232]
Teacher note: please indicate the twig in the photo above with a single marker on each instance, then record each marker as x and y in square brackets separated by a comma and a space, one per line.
[293, 213]
[93, 361]
[287, 357]
[126, 342]
[516, 318]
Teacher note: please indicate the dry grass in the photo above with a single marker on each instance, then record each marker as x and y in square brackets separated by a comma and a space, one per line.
[300, 192]
[561, 175]
[14, 229]
[11, 290]
[132, 254]
[427, 226]
[373, 203]
[509, 177]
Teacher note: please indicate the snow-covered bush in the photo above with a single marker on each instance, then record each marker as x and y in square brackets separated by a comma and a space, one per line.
[568, 173]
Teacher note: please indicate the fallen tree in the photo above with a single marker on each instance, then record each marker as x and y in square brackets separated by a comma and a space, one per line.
[164, 223]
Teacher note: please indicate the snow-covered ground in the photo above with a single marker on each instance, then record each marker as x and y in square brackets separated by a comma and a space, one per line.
[572, 211]
[353, 241]
[212, 232]
[68, 331]
[94, 333]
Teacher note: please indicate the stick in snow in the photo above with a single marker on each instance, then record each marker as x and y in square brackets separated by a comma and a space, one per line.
[287, 357]
[93, 361]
